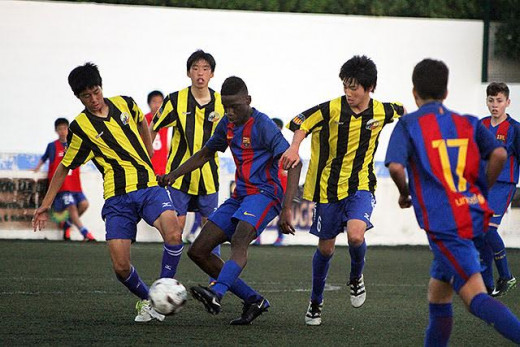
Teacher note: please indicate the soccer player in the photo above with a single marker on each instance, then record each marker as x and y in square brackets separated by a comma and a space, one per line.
[113, 133]
[442, 151]
[193, 113]
[256, 145]
[70, 196]
[160, 142]
[340, 179]
[507, 131]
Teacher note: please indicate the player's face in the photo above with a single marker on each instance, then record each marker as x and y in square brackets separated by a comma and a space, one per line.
[92, 99]
[155, 103]
[62, 130]
[357, 96]
[497, 105]
[200, 73]
[237, 108]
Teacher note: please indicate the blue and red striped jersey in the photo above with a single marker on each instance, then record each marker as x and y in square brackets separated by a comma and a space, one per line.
[508, 133]
[443, 154]
[256, 147]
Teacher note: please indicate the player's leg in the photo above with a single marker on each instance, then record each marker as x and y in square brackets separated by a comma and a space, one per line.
[440, 322]
[61, 203]
[206, 205]
[486, 262]
[83, 206]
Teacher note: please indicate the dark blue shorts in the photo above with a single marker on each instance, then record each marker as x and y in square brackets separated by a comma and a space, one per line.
[184, 203]
[499, 198]
[257, 210]
[64, 199]
[455, 259]
[330, 218]
[121, 213]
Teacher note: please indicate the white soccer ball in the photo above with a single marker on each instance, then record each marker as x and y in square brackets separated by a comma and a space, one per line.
[167, 296]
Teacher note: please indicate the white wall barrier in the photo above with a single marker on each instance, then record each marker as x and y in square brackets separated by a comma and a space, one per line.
[20, 191]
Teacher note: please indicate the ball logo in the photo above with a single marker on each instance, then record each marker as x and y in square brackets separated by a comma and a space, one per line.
[299, 119]
[124, 118]
[214, 117]
[372, 124]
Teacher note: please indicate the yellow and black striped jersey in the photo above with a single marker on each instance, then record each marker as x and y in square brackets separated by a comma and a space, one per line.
[343, 145]
[114, 145]
[192, 125]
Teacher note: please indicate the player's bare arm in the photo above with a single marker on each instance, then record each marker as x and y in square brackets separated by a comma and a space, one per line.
[152, 132]
[291, 158]
[196, 161]
[293, 178]
[398, 175]
[496, 161]
[142, 127]
[40, 215]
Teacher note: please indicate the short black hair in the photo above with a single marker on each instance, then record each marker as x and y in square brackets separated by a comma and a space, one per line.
[201, 55]
[83, 77]
[60, 121]
[430, 79]
[234, 86]
[278, 122]
[153, 94]
[497, 87]
[360, 69]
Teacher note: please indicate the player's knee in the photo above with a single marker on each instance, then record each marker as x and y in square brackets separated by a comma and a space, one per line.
[195, 254]
[356, 238]
[122, 269]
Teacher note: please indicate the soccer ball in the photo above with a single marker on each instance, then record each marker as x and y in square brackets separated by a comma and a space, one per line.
[167, 296]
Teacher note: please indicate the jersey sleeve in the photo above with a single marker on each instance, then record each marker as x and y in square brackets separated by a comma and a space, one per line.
[135, 112]
[399, 146]
[486, 141]
[309, 120]
[393, 110]
[218, 141]
[273, 139]
[48, 152]
[78, 151]
[166, 115]
[516, 140]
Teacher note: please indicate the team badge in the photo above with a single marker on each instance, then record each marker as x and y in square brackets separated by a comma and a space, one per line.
[214, 117]
[501, 137]
[298, 119]
[124, 118]
[372, 124]
[246, 142]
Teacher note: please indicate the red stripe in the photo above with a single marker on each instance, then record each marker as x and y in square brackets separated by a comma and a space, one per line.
[247, 156]
[419, 193]
[444, 250]
[461, 214]
[269, 177]
[264, 214]
[511, 169]
[502, 131]
[487, 122]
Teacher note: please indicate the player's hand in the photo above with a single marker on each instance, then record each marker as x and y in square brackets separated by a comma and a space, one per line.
[284, 222]
[40, 218]
[290, 158]
[160, 180]
[167, 180]
[405, 201]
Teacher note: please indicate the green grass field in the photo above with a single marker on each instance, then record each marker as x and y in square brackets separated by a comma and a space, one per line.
[57, 293]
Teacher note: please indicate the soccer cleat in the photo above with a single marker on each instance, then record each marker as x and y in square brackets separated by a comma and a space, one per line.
[358, 294]
[313, 315]
[89, 237]
[66, 234]
[503, 286]
[145, 312]
[251, 311]
[208, 297]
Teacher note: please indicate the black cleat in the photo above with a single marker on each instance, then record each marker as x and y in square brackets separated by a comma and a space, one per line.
[251, 311]
[503, 286]
[208, 297]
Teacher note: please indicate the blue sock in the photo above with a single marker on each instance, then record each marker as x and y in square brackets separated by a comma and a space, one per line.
[245, 292]
[215, 251]
[320, 269]
[357, 259]
[439, 328]
[83, 231]
[497, 315]
[499, 251]
[486, 264]
[227, 277]
[135, 284]
[170, 260]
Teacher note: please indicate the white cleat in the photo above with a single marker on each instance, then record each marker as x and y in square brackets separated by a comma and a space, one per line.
[145, 312]
[313, 315]
[358, 293]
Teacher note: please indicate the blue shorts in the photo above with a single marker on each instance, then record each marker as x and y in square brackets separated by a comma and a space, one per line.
[184, 203]
[330, 218]
[499, 198]
[455, 259]
[64, 199]
[257, 210]
[121, 213]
